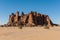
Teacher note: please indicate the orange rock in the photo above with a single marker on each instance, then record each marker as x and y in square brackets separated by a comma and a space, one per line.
[32, 18]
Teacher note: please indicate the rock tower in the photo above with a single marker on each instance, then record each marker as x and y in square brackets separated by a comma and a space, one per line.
[32, 18]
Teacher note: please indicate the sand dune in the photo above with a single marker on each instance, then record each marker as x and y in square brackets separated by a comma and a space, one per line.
[29, 33]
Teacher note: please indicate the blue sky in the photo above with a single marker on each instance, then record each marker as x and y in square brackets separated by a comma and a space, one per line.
[49, 7]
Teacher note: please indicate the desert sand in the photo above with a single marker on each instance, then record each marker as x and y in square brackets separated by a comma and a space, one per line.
[29, 33]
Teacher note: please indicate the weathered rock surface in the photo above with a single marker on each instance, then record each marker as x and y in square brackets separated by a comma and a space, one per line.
[32, 18]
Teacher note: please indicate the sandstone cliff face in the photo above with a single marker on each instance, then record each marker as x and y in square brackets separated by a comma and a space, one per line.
[11, 19]
[23, 19]
[32, 18]
[16, 18]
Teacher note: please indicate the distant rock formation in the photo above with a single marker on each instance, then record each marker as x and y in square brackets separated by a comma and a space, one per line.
[32, 18]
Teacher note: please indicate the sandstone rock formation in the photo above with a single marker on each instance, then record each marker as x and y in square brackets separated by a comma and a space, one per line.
[32, 18]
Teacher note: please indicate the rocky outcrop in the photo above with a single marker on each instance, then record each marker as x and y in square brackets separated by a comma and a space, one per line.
[32, 18]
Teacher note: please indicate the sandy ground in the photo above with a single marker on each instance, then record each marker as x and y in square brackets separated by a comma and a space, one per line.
[29, 33]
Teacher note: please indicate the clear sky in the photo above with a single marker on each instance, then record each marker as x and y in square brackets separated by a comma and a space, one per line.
[49, 7]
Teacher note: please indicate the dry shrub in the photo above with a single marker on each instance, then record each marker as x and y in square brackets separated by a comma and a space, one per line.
[46, 27]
